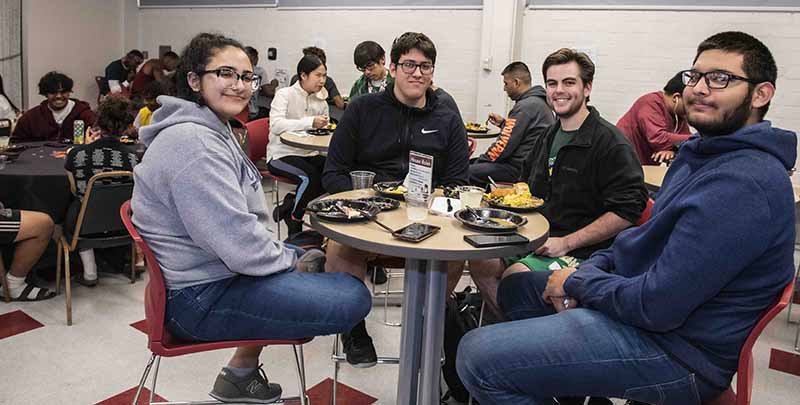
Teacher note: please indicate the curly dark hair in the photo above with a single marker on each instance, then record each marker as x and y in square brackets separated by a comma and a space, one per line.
[195, 57]
[114, 116]
[52, 82]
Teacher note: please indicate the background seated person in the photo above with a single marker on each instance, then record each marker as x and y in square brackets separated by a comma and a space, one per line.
[334, 98]
[299, 107]
[153, 70]
[54, 118]
[656, 123]
[199, 205]
[373, 135]
[265, 92]
[370, 59]
[665, 311]
[8, 111]
[149, 97]
[29, 232]
[584, 169]
[103, 152]
[120, 73]
[527, 121]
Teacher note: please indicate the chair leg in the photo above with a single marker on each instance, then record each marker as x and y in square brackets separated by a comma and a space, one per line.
[133, 263]
[796, 293]
[335, 368]
[301, 373]
[144, 378]
[155, 378]
[58, 266]
[67, 283]
[277, 190]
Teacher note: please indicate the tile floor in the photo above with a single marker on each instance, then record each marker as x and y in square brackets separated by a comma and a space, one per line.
[101, 357]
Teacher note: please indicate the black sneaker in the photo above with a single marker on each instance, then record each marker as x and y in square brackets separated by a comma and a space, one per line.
[253, 388]
[377, 274]
[284, 210]
[358, 347]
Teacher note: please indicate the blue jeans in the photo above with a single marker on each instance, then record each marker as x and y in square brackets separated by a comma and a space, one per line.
[580, 352]
[287, 305]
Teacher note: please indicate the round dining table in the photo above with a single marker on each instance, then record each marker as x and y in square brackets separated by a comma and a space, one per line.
[425, 282]
[303, 140]
[37, 181]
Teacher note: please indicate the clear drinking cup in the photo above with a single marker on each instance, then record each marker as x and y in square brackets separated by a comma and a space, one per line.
[4, 140]
[362, 179]
[3, 159]
[470, 196]
[417, 204]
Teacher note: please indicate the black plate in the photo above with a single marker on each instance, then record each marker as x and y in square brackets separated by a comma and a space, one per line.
[324, 209]
[510, 208]
[480, 131]
[465, 217]
[14, 148]
[320, 132]
[381, 188]
[384, 203]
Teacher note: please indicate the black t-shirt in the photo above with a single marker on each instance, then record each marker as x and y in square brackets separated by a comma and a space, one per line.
[103, 155]
[116, 71]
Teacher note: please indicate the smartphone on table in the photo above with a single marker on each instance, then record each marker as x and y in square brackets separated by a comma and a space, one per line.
[495, 240]
[416, 232]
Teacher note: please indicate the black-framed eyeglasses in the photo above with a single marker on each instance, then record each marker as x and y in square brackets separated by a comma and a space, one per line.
[368, 66]
[231, 76]
[409, 67]
[715, 79]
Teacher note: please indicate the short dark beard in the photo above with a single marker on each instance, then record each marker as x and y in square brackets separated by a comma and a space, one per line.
[731, 121]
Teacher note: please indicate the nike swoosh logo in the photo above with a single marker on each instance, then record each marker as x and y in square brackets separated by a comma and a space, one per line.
[429, 132]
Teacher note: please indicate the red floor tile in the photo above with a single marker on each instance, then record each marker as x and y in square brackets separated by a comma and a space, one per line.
[16, 322]
[125, 398]
[345, 395]
[787, 362]
[141, 326]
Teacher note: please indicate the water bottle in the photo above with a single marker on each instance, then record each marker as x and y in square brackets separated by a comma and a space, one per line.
[78, 132]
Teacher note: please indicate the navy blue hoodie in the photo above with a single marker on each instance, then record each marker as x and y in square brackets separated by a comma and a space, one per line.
[715, 254]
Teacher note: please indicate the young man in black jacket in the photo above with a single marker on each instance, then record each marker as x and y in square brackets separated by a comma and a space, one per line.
[585, 170]
[376, 133]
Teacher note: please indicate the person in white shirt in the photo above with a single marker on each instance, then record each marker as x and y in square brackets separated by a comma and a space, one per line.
[8, 111]
[299, 107]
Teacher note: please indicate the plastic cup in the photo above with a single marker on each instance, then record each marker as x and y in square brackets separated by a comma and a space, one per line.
[3, 159]
[362, 179]
[417, 204]
[470, 196]
[4, 140]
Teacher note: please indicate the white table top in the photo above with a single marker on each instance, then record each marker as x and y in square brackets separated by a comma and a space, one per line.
[305, 141]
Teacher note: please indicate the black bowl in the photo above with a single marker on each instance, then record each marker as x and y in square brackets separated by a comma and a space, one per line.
[384, 203]
[383, 187]
[481, 222]
[320, 131]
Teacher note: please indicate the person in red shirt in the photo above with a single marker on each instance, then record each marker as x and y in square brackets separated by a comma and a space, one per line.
[54, 118]
[656, 123]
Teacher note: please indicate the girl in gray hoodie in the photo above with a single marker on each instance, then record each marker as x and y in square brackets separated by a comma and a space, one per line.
[199, 205]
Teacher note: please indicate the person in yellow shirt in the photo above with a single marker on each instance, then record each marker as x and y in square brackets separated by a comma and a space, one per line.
[149, 95]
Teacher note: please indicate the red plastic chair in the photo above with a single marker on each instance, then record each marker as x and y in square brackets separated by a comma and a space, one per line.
[648, 211]
[744, 372]
[163, 344]
[258, 133]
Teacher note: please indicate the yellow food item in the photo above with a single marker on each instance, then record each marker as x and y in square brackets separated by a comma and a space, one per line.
[518, 197]
[401, 189]
[331, 126]
[474, 126]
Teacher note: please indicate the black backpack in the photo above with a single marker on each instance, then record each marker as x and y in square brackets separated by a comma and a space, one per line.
[461, 316]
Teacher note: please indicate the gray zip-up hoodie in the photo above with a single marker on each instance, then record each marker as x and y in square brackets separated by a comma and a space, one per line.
[198, 201]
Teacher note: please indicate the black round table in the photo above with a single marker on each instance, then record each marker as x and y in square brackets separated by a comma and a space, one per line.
[37, 181]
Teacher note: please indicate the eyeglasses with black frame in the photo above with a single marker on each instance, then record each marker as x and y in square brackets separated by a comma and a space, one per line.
[231, 76]
[409, 67]
[715, 79]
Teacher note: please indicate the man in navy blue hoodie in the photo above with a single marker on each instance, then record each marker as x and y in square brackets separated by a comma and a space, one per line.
[663, 313]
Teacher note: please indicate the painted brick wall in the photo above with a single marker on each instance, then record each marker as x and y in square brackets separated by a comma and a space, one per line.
[638, 51]
[456, 34]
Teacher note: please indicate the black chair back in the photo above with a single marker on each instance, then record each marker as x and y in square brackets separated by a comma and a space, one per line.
[99, 214]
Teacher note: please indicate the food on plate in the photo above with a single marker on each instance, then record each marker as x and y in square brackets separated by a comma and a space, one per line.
[331, 126]
[400, 189]
[518, 196]
[475, 127]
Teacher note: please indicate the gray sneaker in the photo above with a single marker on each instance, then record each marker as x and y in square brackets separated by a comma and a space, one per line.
[253, 388]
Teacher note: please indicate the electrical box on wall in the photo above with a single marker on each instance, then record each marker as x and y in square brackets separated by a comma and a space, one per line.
[272, 54]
